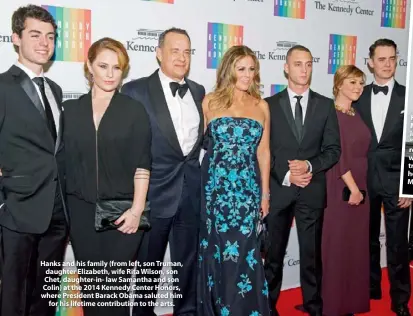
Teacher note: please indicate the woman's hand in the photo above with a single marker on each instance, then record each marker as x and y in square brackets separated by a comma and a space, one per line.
[265, 207]
[355, 198]
[131, 219]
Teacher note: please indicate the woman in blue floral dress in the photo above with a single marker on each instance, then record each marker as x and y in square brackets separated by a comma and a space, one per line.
[235, 184]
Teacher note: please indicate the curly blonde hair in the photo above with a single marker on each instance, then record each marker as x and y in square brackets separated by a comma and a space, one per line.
[222, 96]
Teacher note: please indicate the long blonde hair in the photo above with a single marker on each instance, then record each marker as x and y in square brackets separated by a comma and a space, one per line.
[222, 96]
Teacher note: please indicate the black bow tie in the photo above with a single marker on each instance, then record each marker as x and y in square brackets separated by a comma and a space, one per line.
[377, 89]
[181, 88]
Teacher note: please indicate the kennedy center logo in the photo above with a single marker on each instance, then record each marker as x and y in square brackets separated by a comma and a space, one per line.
[342, 51]
[275, 88]
[290, 8]
[393, 13]
[73, 33]
[220, 38]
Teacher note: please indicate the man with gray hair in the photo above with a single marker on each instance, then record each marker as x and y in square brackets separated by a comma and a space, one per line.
[173, 103]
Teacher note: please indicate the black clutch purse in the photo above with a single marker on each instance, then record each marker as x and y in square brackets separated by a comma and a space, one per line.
[347, 193]
[263, 237]
[108, 211]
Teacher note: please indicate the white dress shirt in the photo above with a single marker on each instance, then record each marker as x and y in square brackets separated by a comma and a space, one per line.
[184, 114]
[304, 104]
[48, 91]
[379, 106]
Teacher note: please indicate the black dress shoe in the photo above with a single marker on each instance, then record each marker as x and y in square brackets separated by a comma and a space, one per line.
[401, 310]
[375, 294]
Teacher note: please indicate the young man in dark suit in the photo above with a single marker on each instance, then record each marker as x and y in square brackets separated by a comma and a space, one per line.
[305, 142]
[173, 103]
[381, 106]
[32, 215]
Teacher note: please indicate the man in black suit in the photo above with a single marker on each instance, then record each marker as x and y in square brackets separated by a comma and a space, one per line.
[173, 103]
[305, 142]
[381, 106]
[32, 215]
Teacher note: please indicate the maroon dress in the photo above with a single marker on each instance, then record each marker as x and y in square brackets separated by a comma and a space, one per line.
[345, 238]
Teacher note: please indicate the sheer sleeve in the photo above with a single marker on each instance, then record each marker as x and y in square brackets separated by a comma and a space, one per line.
[343, 165]
[142, 137]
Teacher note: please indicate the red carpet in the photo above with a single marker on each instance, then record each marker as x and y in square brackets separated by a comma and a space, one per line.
[291, 298]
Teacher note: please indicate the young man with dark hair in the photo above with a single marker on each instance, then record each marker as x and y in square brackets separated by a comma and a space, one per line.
[381, 106]
[305, 143]
[33, 219]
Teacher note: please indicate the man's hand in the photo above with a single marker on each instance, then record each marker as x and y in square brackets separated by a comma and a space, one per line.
[298, 167]
[404, 202]
[301, 180]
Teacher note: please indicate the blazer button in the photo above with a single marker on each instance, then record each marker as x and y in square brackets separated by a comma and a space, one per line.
[55, 179]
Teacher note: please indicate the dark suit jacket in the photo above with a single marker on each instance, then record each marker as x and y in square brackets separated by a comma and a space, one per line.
[320, 145]
[384, 157]
[31, 163]
[122, 144]
[169, 166]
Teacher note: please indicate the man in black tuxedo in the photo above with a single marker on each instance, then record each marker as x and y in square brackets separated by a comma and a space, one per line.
[173, 103]
[305, 142]
[32, 215]
[381, 106]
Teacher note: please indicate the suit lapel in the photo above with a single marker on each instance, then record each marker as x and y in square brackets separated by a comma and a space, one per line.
[364, 109]
[393, 111]
[161, 111]
[28, 87]
[311, 106]
[286, 106]
[198, 103]
[59, 107]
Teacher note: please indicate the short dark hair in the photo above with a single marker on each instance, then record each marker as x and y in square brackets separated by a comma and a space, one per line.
[299, 48]
[161, 40]
[381, 42]
[18, 20]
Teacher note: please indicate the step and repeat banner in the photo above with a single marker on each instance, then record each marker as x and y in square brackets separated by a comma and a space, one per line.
[336, 31]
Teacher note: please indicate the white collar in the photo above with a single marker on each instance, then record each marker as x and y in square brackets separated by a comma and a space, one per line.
[389, 83]
[28, 71]
[166, 79]
[292, 94]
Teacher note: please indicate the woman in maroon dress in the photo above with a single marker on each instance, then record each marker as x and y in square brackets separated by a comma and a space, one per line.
[345, 239]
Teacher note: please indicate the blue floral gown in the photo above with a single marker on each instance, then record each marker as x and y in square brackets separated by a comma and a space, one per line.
[231, 278]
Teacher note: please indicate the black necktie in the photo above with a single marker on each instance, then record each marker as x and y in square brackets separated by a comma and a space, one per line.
[377, 89]
[298, 117]
[49, 114]
[181, 88]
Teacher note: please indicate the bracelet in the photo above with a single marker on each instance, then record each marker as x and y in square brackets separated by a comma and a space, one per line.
[266, 196]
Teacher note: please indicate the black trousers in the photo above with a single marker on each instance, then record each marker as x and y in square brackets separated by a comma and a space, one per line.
[309, 227]
[182, 233]
[24, 272]
[90, 248]
[396, 221]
